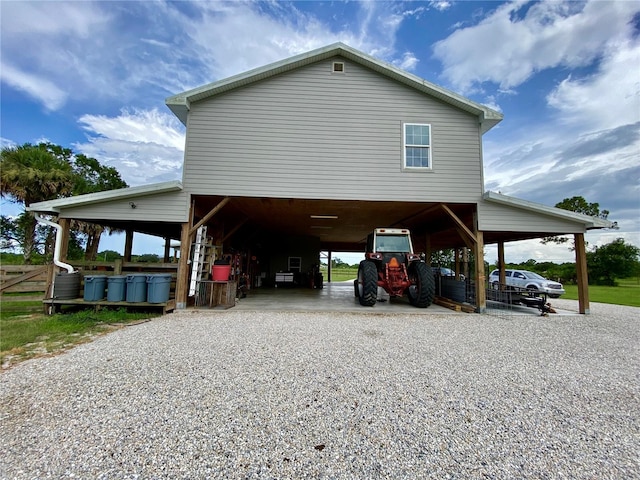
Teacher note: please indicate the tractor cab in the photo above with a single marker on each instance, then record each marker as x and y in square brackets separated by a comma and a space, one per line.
[391, 264]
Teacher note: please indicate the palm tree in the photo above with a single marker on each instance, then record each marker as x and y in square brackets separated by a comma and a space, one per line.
[29, 174]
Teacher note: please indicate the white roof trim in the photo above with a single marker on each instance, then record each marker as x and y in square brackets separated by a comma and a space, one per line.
[586, 220]
[54, 206]
[181, 103]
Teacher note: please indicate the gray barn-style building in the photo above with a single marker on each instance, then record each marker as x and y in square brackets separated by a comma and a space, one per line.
[310, 154]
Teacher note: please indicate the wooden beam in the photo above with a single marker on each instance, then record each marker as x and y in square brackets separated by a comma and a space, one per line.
[427, 249]
[65, 223]
[582, 274]
[208, 216]
[503, 276]
[167, 249]
[182, 280]
[471, 244]
[234, 230]
[481, 280]
[468, 233]
[128, 245]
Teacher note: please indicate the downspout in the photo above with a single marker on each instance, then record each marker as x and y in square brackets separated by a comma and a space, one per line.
[58, 246]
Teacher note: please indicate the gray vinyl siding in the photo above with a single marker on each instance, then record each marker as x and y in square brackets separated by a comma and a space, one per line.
[501, 218]
[311, 133]
[166, 207]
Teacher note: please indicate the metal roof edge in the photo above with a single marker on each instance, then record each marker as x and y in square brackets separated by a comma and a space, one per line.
[588, 221]
[53, 206]
[179, 104]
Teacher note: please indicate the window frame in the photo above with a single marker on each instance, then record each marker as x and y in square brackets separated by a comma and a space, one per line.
[405, 145]
[294, 264]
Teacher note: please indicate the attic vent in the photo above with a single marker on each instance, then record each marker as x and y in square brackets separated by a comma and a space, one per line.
[338, 67]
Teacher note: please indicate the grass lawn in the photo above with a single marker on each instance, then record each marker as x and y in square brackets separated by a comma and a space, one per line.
[627, 292]
[340, 274]
[24, 334]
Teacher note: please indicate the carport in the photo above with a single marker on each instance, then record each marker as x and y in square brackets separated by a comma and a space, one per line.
[252, 226]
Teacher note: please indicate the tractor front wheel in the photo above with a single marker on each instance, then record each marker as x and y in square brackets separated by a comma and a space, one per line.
[423, 285]
[367, 283]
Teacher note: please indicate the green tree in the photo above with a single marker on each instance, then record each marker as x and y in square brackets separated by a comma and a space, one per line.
[579, 205]
[146, 258]
[35, 173]
[614, 260]
[30, 174]
[338, 263]
[443, 258]
[109, 256]
[90, 176]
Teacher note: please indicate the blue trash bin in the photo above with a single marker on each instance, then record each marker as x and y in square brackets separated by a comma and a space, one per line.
[94, 287]
[137, 287]
[116, 288]
[158, 287]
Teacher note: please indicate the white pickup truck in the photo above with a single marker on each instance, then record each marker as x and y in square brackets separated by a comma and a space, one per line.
[529, 280]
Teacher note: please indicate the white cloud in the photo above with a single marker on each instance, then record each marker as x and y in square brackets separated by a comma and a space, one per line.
[144, 146]
[592, 101]
[517, 39]
[146, 126]
[101, 51]
[35, 86]
[440, 5]
[33, 19]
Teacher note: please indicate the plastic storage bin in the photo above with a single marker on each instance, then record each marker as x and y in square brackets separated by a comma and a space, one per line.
[158, 288]
[94, 287]
[116, 288]
[137, 288]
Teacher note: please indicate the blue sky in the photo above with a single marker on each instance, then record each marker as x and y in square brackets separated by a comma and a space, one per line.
[93, 76]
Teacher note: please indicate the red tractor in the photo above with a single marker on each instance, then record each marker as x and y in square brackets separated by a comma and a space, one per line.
[391, 264]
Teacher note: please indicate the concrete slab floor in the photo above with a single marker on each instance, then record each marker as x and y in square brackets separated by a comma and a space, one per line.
[339, 297]
[334, 297]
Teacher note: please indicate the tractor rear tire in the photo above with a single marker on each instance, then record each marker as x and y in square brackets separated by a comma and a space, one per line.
[367, 283]
[423, 288]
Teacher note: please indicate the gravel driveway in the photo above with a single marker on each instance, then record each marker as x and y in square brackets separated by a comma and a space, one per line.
[239, 394]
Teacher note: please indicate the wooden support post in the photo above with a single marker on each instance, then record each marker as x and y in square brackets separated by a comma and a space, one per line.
[182, 280]
[503, 277]
[465, 262]
[128, 245]
[65, 223]
[427, 249]
[456, 267]
[481, 289]
[167, 249]
[581, 272]
[329, 266]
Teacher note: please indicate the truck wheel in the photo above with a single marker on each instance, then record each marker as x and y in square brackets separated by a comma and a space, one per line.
[423, 285]
[367, 283]
[356, 289]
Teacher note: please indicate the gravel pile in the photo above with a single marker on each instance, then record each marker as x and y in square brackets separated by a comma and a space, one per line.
[253, 395]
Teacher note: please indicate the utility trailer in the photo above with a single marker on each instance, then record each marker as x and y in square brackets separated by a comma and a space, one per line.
[520, 296]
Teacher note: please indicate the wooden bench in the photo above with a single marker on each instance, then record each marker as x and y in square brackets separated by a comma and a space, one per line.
[52, 305]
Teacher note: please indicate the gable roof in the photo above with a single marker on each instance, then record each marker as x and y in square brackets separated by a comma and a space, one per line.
[180, 103]
[53, 206]
[586, 220]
